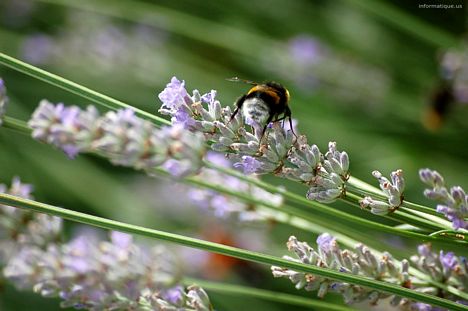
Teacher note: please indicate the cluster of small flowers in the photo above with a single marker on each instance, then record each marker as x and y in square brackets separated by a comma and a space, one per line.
[446, 268]
[455, 201]
[194, 298]
[224, 205]
[3, 100]
[87, 273]
[393, 190]
[19, 228]
[275, 152]
[120, 136]
[361, 262]
[95, 275]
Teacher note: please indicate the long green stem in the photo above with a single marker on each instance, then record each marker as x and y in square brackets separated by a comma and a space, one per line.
[242, 291]
[10, 200]
[399, 216]
[74, 88]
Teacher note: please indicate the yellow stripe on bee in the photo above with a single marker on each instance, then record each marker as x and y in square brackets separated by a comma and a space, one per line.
[266, 89]
[256, 88]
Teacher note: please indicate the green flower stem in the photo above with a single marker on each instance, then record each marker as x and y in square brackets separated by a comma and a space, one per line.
[74, 88]
[421, 208]
[455, 234]
[16, 125]
[356, 185]
[322, 208]
[409, 209]
[265, 259]
[397, 215]
[243, 291]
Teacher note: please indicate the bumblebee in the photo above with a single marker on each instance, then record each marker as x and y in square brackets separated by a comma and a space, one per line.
[441, 102]
[264, 103]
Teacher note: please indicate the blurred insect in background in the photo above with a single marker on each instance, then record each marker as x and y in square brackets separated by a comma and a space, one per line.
[264, 103]
[441, 103]
[452, 89]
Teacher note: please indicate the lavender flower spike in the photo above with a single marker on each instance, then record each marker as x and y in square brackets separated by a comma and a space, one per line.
[277, 151]
[444, 267]
[120, 136]
[20, 228]
[454, 201]
[3, 100]
[329, 255]
[393, 190]
[87, 273]
[328, 175]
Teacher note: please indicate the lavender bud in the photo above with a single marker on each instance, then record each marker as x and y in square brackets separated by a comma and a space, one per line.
[454, 202]
[392, 189]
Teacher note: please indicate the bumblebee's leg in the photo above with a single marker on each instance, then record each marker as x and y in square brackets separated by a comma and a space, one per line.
[291, 126]
[287, 114]
[265, 127]
[239, 103]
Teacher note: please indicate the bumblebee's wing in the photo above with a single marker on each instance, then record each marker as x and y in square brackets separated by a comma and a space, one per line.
[237, 79]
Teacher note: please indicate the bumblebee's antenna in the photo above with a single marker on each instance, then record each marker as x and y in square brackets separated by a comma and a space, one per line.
[237, 79]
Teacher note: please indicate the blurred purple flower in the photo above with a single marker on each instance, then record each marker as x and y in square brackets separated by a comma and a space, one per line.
[3, 100]
[424, 250]
[38, 49]
[305, 49]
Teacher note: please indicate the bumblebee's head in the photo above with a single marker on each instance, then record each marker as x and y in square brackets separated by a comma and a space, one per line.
[280, 89]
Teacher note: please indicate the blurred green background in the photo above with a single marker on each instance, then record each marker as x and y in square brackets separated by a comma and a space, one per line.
[361, 73]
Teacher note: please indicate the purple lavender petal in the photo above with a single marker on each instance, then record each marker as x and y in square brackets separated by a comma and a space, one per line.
[325, 242]
[249, 164]
[448, 260]
[120, 239]
[174, 95]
